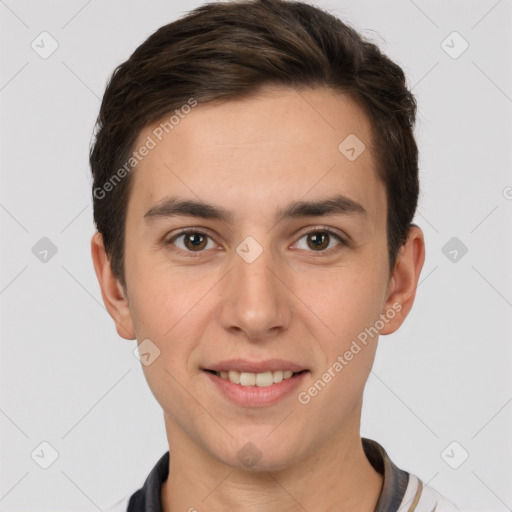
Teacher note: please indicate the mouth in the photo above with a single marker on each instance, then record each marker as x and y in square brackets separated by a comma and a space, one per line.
[255, 384]
[261, 379]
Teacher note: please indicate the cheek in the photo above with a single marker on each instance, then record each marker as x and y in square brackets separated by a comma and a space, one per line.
[171, 320]
[349, 308]
[172, 310]
[158, 296]
[347, 300]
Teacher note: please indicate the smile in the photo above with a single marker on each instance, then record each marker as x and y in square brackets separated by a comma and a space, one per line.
[255, 389]
[262, 379]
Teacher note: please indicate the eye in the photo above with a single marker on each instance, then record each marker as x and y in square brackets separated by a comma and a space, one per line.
[193, 240]
[320, 239]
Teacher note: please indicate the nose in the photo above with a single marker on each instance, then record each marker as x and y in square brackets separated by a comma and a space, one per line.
[256, 301]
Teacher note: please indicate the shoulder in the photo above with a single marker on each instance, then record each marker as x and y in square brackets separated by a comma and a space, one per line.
[420, 497]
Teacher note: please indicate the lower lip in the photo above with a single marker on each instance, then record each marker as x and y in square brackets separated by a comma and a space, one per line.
[256, 396]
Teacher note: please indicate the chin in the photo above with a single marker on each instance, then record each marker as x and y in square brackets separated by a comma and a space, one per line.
[259, 452]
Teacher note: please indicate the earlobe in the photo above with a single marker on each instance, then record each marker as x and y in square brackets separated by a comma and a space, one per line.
[112, 291]
[404, 280]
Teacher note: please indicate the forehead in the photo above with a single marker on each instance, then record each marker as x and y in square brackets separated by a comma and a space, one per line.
[279, 141]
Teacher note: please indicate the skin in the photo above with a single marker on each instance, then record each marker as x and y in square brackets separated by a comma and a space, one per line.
[295, 301]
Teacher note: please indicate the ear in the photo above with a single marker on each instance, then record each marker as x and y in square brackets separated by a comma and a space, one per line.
[114, 296]
[404, 280]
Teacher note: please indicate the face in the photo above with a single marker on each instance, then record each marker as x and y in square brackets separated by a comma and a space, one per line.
[284, 273]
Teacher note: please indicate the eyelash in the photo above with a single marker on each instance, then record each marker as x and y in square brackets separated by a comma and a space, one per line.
[195, 254]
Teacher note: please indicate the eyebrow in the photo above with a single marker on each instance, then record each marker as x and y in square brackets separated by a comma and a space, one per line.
[336, 205]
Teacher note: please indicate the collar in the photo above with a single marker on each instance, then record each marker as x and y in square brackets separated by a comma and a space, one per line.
[147, 499]
[395, 479]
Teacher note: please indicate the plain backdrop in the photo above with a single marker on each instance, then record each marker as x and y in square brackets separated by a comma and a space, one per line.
[439, 397]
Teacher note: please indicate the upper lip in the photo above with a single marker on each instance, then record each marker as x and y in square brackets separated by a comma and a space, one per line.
[244, 365]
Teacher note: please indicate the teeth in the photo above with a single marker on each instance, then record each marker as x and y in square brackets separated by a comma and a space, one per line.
[234, 377]
[277, 376]
[263, 379]
[247, 379]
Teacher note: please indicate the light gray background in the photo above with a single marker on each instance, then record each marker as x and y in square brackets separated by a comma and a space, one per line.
[69, 380]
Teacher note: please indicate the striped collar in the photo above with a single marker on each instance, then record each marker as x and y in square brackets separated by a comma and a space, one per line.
[395, 479]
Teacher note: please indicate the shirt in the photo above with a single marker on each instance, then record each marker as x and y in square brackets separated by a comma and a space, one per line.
[401, 491]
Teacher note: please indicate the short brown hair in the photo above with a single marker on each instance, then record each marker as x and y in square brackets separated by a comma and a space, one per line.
[226, 50]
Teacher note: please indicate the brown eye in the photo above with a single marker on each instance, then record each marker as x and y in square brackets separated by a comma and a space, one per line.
[193, 241]
[320, 240]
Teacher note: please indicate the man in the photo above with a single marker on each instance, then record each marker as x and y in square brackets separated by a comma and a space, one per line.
[255, 181]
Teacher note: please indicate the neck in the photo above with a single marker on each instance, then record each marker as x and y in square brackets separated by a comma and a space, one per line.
[338, 476]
